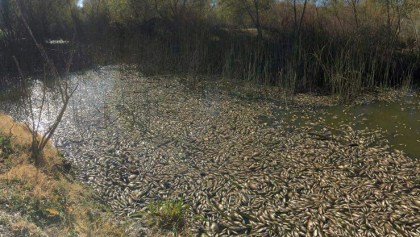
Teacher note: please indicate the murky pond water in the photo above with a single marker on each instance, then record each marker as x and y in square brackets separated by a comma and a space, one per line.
[399, 122]
[243, 166]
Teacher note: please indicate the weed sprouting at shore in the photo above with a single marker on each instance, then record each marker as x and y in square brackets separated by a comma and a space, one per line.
[165, 215]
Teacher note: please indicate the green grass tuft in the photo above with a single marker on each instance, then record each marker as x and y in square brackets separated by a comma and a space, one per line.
[167, 215]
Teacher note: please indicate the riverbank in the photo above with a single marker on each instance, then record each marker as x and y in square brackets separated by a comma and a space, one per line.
[46, 201]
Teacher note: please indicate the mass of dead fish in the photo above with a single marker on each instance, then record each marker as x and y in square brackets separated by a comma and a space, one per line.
[150, 139]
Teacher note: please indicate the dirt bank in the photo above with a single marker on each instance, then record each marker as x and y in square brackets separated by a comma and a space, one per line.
[45, 201]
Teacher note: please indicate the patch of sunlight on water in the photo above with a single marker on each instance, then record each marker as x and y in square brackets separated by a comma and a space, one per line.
[46, 100]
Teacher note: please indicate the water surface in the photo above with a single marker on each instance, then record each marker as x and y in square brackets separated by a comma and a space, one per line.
[398, 121]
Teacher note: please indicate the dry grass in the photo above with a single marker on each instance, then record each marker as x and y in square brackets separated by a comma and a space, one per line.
[21, 134]
[46, 201]
[22, 139]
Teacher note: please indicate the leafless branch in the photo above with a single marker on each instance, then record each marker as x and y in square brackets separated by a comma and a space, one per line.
[65, 92]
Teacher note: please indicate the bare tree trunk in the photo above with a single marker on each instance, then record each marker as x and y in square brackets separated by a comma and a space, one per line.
[66, 93]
